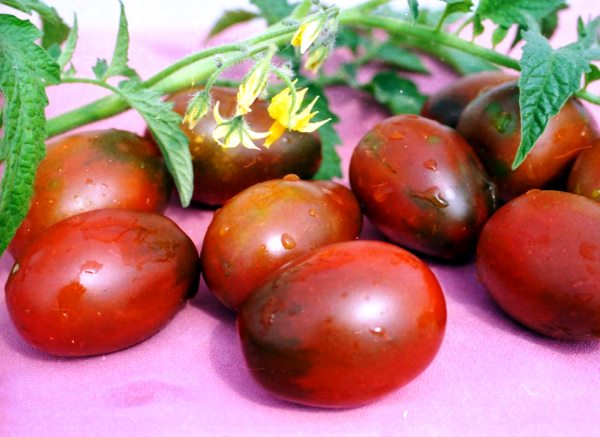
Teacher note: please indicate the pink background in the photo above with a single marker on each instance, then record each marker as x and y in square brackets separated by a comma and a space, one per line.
[491, 376]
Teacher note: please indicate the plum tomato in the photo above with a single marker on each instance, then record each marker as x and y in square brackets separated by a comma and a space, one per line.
[422, 186]
[492, 125]
[539, 259]
[220, 173]
[101, 281]
[269, 224]
[94, 170]
[584, 178]
[447, 104]
[343, 325]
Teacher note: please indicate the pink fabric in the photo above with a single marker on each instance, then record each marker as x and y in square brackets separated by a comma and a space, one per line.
[491, 376]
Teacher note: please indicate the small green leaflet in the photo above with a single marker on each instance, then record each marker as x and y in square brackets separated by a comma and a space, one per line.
[508, 12]
[53, 27]
[231, 18]
[593, 75]
[25, 69]
[66, 55]
[165, 126]
[398, 94]
[100, 69]
[331, 163]
[118, 64]
[452, 7]
[548, 78]
[273, 10]
[413, 5]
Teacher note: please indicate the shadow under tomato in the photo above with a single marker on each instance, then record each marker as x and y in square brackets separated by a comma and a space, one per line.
[461, 285]
[207, 303]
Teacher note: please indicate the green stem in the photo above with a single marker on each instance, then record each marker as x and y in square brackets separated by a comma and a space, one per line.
[586, 95]
[396, 26]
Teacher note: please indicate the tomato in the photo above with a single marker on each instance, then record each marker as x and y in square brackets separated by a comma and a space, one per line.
[101, 281]
[220, 173]
[343, 325]
[269, 224]
[422, 186]
[94, 170]
[584, 178]
[492, 125]
[447, 104]
[539, 258]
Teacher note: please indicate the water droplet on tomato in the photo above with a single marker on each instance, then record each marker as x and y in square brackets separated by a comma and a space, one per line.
[431, 164]
[291, 177]
[433, 196]
[287, 241]
[397, 136]
[224, 230]
[312, 212]
[378, 330]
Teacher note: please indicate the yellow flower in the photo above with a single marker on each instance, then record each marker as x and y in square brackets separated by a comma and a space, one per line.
[197, 109]
[307, 33]
[286, 115]
[316, 58]
[233, 132]
[253, 85]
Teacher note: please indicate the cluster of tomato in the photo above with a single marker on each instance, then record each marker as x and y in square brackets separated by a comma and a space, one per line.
[323, 319]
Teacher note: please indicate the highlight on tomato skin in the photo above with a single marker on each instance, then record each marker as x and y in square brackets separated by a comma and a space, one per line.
[584, 178]
[221, 173]
[344, 325]
[492, 126]
[539, 259]
[446, 105]
[101, 281]
[269, 224]
[422, 186]
[94, 170]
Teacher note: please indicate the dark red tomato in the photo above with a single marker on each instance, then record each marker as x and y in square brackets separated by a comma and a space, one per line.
[343, 325]
[94, 170]
[220, 173]
[422, 185]
[584, 178]
[101, 281]
[492, 125]
[447, 104]
[269, 224]
[539, 258]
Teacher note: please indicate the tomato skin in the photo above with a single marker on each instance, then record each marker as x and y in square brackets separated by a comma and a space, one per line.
[422, 186]
[539, 259]
[220, 173]
[101, 281]
[447, 105]
[584, 178]
[343, 325]
[492, 125]
[94, 170]
[269, 224]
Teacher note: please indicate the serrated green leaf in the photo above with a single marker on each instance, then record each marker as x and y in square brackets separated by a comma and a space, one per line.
[273, 10]
[548, 26]
[506, 13]
[230, 18]
[67, 53]
[593, 75]
[548, 78]
[413, 5]
[398, 57]
[54, 29]
[398, 94]
[165, 126]
[498, 35]
[119, 63]
[453, 6]
[25, 69]
[330, 163]
[100, 68]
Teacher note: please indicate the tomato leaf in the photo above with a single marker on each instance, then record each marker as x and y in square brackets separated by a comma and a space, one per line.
[548, 78]
[230, 18]
[593, 75]
[25, 69]
[508, 12]
[413, 5]
[119, 63]
[165, 126]
[395, 56]
[273, 10]
[54, 29]
[71, 42]
[398, 94]
[100, 68]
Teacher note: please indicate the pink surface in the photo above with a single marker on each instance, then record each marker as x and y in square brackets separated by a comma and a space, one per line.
[491, 376]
